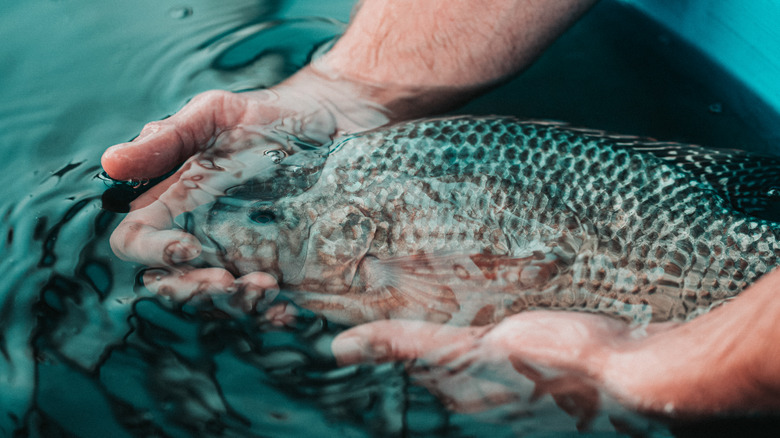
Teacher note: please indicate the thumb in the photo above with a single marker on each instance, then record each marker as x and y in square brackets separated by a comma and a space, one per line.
[164, 144]
[398, 340]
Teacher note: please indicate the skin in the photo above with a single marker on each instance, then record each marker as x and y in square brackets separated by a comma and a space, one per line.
[722, 362]
[398, 60]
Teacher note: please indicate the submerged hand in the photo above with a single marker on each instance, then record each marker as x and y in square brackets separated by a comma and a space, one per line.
[721, 362]
[413, 67]
[512, 364]
[225, 139]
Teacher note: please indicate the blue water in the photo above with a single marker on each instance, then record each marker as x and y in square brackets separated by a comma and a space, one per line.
[86, 351]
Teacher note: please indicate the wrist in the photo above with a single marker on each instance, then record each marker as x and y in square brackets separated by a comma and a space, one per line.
[420, 58]
[336, 103]
[397, 101]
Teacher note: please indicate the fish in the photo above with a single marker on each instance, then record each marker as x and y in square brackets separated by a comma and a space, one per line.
[467, 220]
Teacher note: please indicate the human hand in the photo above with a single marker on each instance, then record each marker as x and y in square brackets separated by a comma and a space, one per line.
[511, 365]
[226, 139]
[721, 362]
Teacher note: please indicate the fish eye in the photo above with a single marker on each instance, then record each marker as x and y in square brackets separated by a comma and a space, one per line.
[263, 217]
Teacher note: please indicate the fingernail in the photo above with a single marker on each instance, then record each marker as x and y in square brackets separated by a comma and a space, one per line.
[154, 275]
[350, 350]
[179, 252]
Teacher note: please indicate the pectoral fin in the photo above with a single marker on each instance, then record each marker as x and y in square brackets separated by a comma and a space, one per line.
[419, 286]
[460, 289]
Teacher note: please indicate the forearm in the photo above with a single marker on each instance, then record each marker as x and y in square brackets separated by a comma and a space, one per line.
[448, 43]
[415, 58]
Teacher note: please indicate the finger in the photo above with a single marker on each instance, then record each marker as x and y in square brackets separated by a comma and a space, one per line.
[215, 286]
[153, 247]
[281, 315]
[185, 283]
[145, 235]
[392, 340]
[166, 143]
[573, 342]
[254, 291]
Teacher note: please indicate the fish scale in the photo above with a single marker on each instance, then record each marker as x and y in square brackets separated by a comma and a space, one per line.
[454, 219]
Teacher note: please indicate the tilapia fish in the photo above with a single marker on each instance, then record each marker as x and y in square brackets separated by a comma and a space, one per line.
[469, 220]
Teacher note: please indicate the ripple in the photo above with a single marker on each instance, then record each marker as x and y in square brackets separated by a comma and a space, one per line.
[84, 349]
[76, 327]
[180, 12]
[296, 40]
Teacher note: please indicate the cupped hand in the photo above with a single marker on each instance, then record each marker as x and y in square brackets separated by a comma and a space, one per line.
[722, 362]
[223, 139]
[512, 364]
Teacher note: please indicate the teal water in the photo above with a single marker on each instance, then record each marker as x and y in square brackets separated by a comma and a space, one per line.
[86, 351]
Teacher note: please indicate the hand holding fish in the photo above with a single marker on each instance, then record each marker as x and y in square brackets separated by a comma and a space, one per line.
[469, 220]
[393, 63]
[225, 139]
[361, 83]
[399, 58]
[714, 364]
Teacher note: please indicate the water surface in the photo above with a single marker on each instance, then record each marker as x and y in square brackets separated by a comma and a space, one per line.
[87, 351]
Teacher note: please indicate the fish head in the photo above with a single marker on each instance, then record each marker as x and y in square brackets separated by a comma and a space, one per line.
[261, 222]
[247, 236]
[303, 242]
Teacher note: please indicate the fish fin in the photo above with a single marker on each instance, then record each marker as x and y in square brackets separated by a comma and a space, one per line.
[463, 289]
[421, 286]
[749, 182]
[395, 288]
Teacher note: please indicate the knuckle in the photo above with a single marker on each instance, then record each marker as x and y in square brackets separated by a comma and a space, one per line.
[211, 97]
[118, 245]
[123, 238]
[153, 127]
[225, 279]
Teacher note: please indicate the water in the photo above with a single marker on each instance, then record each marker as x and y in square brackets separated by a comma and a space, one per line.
[87, 351]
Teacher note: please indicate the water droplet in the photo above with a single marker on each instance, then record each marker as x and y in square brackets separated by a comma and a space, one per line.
[138, 183]
[208, 163]
[276, 155]
[180, 12]
[716, 108]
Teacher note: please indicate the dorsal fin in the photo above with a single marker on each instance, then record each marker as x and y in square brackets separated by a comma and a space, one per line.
[749, 182]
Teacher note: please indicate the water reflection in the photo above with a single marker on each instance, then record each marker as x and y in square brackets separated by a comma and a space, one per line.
[85, 350]
[78, 338]
[82, 349]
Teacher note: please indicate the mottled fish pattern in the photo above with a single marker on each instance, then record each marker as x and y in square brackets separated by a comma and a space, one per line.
[467, 220]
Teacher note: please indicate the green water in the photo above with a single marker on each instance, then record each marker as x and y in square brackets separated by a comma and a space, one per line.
[86, 351]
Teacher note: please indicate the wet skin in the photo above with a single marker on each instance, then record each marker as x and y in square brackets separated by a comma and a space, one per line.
[724, 361]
